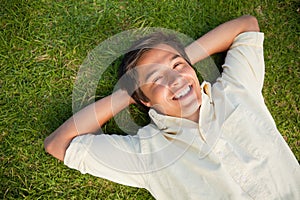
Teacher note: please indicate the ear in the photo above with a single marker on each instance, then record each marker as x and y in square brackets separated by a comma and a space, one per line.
[146, 103]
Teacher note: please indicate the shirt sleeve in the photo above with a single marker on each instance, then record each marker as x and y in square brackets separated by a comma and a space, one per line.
[113, 157]
[244, 62]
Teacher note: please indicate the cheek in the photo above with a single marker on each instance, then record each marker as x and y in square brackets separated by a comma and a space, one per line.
[193, 74]
[154, 94]
[189, 73]
[159, 93]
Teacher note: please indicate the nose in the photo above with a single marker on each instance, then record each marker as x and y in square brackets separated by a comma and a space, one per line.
[175, 79]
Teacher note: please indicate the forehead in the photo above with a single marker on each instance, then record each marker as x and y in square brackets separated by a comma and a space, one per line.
[160, 54]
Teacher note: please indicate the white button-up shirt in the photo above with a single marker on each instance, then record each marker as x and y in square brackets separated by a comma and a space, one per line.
[234, 152]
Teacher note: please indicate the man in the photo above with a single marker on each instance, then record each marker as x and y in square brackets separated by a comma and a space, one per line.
[204, 142]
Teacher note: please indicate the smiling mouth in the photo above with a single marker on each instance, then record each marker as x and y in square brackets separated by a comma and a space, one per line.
[183, 93]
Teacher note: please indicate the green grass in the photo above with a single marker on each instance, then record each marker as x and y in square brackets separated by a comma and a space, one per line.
[43, 43]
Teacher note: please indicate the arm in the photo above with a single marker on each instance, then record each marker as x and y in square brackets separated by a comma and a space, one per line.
[220, 38]
[88, 120]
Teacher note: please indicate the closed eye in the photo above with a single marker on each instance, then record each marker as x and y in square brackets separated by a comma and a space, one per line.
[155, 80]
[176, 65]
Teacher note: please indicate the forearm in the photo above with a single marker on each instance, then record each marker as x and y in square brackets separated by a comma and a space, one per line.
[220, 38]
[88, 120]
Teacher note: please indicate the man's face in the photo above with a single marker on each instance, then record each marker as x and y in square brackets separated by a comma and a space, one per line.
[170, 83]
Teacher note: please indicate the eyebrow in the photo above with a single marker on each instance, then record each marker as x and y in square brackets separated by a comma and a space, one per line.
[154, 71]
[174, 57]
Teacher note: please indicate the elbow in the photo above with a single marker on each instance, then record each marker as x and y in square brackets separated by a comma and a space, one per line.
[52, 150]
[254, 26]
[47, 145]
[252, 23]
[246, 23]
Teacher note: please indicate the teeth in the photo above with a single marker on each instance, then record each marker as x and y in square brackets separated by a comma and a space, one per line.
[183, 92]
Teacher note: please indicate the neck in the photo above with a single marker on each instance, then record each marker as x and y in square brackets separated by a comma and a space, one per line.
[195, 116]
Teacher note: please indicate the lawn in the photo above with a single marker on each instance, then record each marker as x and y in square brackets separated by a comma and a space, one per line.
[43, 43]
